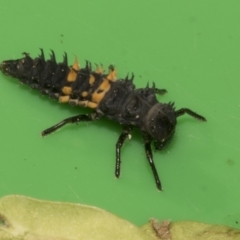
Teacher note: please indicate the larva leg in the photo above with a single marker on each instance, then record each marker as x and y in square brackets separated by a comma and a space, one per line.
[75, 119]
[182, 111]
[148, 151]
[124, 135]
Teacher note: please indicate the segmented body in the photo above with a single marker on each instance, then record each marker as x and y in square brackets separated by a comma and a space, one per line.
[108, 96]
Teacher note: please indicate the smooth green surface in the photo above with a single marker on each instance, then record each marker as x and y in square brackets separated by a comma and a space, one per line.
[191, 48]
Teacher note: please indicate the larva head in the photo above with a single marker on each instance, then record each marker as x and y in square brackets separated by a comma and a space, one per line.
[160, 124]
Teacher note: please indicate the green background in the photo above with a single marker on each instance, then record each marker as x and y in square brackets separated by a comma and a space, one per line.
[191, 48]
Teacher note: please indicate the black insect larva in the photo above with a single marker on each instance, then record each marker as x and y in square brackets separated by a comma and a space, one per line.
[117, 99]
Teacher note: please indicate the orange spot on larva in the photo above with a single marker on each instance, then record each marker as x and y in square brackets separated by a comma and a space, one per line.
[112, 75]
[63, 99]
[91, 79]
[67, 90]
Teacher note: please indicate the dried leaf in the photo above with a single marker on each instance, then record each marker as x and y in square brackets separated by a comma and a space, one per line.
[24, 218]
[189, 230]
[28, 219]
